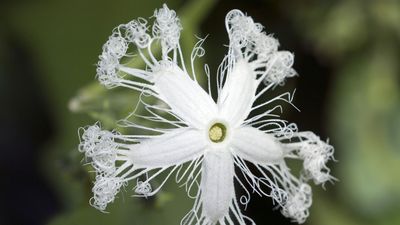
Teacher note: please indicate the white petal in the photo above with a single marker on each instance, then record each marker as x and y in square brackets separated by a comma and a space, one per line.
[185, 97]
[217, 184]
[173, 148]
[256, 146]
[238, 94]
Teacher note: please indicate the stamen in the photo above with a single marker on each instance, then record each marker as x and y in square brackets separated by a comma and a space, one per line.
[217, 132]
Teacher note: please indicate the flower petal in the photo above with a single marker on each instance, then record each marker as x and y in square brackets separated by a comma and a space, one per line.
[256, 146]
[238, 93]
[185, 97]
[172, 148]
[217, 184]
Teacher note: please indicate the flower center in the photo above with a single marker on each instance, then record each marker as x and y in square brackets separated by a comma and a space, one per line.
[217, 132]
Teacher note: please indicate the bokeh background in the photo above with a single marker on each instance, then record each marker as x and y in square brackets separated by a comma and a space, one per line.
[346, 52]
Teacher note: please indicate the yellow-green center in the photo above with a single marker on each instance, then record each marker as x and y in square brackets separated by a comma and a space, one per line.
[217, 132]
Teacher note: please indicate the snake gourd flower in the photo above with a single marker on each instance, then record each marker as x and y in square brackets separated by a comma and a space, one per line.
[200, 140]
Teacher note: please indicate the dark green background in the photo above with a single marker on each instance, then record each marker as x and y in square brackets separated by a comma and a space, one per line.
[346, 52]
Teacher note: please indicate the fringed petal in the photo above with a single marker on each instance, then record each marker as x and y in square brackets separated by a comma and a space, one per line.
[173, 148]
[184, 96]
[217, 184]
[256, 146]
[238, 93]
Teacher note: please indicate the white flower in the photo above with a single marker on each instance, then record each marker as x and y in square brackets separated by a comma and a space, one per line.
[198, 139]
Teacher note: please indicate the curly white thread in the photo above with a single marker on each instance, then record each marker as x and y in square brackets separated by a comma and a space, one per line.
[104, 191]
[107, 67]
[167, 27]
[279, 195]
[143, 188]
[298, 204]
[316, 153]
[279, 67]
[265, 45]
[116, 45]
[99, 146]
[241, 28]
[136, 32]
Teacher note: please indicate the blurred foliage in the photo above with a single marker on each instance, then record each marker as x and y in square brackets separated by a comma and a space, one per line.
[359, 40]
[363, 39]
